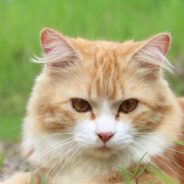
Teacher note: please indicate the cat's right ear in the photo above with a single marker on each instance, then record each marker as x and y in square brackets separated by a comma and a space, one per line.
[151, 54]
[58, 52]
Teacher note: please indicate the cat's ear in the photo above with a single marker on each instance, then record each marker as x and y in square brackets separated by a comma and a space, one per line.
[152, 52]
[58, 52]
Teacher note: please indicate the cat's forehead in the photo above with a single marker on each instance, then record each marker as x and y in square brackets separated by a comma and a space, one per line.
[107, 69]
[100, 48]
[104, 80]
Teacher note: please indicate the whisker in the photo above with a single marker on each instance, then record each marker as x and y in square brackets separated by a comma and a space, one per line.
[168, 148]
[169, 167]
[56, 146]
[74, 152]
[172, 161]
[53, 147]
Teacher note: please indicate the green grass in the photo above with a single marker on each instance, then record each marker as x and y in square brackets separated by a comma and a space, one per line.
[131, 177]
[21, 21]
[134, 175]
[2, 159]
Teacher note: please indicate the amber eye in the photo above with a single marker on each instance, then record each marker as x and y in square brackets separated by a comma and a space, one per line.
[128, 105]
[80, 105]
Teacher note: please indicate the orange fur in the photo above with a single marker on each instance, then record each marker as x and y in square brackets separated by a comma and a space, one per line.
[94, 71]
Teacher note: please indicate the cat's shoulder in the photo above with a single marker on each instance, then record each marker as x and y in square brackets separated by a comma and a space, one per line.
[21, 178]
[181, 101]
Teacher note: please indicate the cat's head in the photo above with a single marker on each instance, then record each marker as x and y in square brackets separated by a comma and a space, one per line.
[101, 98]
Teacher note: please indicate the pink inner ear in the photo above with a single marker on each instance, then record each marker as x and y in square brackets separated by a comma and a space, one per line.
[152, 47]
[58, 52]
[163, 43]
[153, 51]
[46, 39]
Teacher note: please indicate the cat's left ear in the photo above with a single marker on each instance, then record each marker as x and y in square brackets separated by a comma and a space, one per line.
[153, 51]
[58, 52]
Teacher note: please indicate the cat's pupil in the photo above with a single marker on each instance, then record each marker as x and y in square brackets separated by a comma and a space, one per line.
[128, 106]
[80, 105]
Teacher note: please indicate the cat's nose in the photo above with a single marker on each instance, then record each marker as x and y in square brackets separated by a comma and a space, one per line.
[105, 136]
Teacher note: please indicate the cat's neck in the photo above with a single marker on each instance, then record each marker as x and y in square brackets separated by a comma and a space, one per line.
[86, 170]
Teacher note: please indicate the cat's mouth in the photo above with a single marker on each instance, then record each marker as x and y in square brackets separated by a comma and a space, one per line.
[102, 152]
[104, 148]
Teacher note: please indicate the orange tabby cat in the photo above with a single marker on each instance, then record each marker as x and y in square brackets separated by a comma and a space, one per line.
[100, 105]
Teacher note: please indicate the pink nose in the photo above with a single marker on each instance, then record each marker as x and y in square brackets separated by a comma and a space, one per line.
[105, 136]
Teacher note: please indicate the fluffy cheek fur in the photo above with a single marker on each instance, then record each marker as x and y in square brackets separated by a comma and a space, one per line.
[57, 147]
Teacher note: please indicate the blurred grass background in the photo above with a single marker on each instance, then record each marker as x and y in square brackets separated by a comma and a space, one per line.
[22, 20]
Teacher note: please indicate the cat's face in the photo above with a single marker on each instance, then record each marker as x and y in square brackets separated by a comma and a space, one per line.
[103, 97]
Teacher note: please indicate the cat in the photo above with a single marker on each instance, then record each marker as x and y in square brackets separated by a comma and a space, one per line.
[101, 105]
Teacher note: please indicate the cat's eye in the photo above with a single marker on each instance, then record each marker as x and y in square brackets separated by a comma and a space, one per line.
[80, 105]
[128, 105]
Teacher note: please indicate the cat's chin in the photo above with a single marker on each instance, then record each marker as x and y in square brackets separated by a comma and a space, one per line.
[102, 152]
